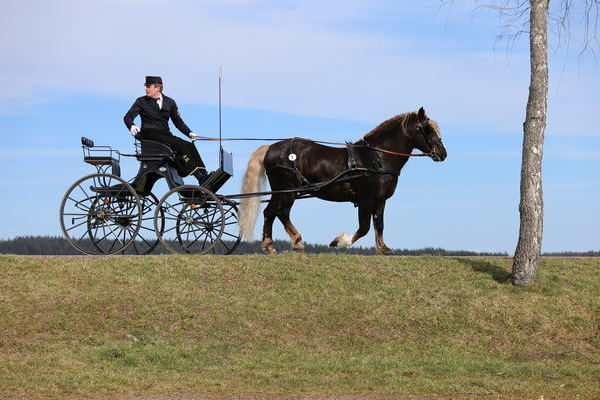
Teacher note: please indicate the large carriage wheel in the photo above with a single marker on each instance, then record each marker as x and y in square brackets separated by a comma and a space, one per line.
[100, 214]
[146, 240]
[193, 219]
[232, 236]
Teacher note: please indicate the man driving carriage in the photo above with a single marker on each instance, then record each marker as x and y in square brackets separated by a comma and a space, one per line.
[155, 109]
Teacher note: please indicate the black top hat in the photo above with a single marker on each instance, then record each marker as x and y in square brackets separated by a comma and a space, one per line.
[151, 80]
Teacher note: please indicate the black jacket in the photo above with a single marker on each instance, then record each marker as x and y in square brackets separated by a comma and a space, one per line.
[153, 117]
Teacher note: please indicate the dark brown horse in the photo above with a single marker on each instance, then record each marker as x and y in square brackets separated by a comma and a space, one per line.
[296, 162]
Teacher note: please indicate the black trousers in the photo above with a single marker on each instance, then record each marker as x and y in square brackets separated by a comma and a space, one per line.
[188, 159]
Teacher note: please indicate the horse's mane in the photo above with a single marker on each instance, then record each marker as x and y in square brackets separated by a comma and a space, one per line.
[392, 124]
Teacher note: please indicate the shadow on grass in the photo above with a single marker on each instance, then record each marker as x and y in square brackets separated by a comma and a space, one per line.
[498, 273]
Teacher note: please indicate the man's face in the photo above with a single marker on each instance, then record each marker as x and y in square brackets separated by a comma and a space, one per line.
[153, 91]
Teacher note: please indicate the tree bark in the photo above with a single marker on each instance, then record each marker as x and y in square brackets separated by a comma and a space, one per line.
[531, 207]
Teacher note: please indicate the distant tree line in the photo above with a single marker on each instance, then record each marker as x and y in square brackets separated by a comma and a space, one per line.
[54, 245]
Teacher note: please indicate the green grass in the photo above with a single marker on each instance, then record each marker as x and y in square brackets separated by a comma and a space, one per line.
[295, 325]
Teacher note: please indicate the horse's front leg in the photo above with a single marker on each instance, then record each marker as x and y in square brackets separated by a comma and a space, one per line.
[378, 224]
[364, 224]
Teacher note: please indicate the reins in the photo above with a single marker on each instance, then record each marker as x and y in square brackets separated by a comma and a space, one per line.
[211, 139]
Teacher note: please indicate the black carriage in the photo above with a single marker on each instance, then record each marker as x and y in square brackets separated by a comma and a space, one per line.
[102, 213]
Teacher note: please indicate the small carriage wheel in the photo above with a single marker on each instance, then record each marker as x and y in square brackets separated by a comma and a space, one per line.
[193, 220]
[232, 236]
[100, 214]
[147, 240]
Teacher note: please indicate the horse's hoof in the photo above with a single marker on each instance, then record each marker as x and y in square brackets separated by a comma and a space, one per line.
[298, 249]
[344, 240]
[269, 250]
[384, 251]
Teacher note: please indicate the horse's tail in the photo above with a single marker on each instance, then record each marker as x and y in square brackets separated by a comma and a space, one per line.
[253, 182]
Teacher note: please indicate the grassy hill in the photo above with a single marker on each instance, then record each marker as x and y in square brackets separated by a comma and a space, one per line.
[295, 325]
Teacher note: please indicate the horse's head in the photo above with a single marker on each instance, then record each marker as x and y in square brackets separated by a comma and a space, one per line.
[427, 138]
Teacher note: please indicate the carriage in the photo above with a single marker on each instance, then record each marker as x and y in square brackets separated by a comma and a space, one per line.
[102, 213]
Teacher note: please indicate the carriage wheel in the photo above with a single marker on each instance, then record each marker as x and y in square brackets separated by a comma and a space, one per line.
[146, 240]
[193, 220]
[100, 214]
[232, 236]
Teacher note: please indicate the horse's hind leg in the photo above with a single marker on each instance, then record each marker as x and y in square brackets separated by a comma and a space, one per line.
[378, 225]
[286, 203]
[270, 213]
[364, 224]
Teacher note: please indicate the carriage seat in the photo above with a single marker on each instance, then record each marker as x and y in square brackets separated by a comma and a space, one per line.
[102, 157]
[150, 150]
[100, 160]
[104, 154]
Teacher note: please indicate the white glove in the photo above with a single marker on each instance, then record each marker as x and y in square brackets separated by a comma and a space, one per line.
[134, 130]
[193, 136]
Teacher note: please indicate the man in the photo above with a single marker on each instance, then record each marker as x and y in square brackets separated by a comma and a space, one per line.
[155, 109]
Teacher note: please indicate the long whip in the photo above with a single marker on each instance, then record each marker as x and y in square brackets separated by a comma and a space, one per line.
[220, 134]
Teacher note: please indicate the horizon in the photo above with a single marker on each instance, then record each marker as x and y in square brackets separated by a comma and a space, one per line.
[311, 248]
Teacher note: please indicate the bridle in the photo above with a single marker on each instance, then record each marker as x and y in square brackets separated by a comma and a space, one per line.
[428, 140]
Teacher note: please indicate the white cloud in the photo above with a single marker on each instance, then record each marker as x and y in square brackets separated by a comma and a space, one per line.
[314, 58]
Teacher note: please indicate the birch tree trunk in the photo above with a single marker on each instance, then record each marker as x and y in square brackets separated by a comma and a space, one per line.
[531, 207]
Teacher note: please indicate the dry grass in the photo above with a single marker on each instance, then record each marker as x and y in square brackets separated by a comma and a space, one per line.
[297, 326]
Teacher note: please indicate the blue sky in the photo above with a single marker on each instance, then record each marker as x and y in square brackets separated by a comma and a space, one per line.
[323, 70]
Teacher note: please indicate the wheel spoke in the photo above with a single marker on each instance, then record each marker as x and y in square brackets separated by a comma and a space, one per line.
[81, 238]
[98, 243]
[170, 229]
[83, 190]
[114, 234]
[148, 243]
[75, 226]
[79, 204]
[73, 214]
[112, 245]
[135, 247]
[197, 228]
[146, 228]
[224, 245]
[229, 234]
[195, 240]
[173, 219]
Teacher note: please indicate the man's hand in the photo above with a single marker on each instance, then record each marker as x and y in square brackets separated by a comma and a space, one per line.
[134, 130]
[193, 136]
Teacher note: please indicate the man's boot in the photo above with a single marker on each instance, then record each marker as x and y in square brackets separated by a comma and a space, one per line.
[201, 175]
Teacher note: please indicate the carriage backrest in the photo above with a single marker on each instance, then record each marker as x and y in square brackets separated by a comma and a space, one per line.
[150, 150]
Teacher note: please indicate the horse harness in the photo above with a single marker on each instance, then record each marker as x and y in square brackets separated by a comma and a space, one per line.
[353, 172]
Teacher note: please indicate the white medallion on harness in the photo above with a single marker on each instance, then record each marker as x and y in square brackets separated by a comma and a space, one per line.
[292, 157]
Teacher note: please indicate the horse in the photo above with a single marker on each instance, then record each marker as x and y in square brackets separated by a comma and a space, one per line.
[296, 162]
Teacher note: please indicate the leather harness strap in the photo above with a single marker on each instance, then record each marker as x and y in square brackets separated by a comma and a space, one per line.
[351, 159]
[294, 166]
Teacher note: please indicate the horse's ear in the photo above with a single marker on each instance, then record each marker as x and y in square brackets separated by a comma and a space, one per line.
[421, 115]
